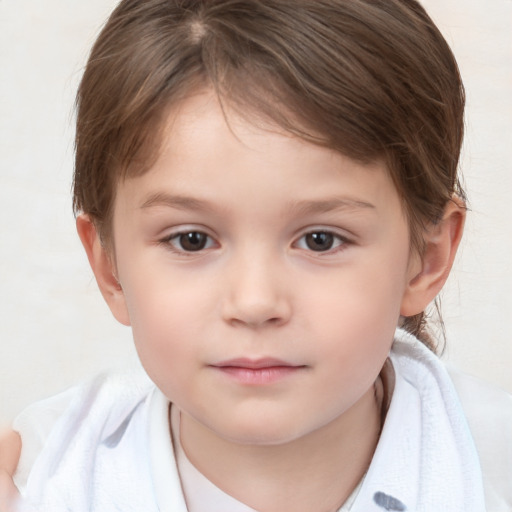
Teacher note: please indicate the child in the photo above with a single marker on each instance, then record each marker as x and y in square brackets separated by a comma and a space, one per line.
[265, 191]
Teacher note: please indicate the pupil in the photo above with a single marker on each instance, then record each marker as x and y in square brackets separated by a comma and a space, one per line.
[319, 241]
[193, 241]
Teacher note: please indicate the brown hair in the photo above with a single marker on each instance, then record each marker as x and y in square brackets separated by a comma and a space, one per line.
[373, 79]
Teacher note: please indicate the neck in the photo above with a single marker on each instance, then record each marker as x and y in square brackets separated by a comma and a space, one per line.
[323, 467]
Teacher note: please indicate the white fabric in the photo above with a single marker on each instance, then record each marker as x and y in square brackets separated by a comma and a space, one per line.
[96, 457]
[35, 424]
[111, 448]
[426, 460]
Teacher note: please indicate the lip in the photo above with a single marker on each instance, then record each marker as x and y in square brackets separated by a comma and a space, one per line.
[257, 372]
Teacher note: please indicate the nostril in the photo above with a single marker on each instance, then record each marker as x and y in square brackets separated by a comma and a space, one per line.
[257, 323]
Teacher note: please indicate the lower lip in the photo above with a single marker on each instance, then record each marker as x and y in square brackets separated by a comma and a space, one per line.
[259, 376]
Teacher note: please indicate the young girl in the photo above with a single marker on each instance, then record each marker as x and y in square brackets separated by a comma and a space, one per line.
[265, 192]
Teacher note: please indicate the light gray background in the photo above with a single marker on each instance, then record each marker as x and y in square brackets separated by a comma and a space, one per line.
[55, 329]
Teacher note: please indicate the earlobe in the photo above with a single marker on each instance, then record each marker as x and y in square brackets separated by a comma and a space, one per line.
[430, 271]
[102, 265]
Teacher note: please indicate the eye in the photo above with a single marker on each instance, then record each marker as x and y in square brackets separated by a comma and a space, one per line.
[321, 241]
[190, 241]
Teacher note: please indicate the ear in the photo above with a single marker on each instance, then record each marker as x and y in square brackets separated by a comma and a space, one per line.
[429, 271]
[103, 266]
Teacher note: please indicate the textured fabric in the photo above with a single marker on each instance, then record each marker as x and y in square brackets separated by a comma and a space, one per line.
[426, 460]
[96, 457]
[110, 447]
[35, 424]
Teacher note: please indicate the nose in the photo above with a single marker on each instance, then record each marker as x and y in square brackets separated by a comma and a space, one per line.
[256, 293]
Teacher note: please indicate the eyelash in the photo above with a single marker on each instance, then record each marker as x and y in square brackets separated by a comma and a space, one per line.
[338, 242]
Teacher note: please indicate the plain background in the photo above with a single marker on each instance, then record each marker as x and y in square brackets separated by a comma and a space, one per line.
[55, 329]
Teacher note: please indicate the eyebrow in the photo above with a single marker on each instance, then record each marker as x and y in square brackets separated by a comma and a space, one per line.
[330, 205]
[306, 207]
[176, 201]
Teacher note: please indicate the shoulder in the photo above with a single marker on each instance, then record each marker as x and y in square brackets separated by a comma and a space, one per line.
[100, 404]
[485, 409]
[97, 447]
[488, 410]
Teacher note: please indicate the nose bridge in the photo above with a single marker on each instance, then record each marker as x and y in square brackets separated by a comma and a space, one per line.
[256, 292]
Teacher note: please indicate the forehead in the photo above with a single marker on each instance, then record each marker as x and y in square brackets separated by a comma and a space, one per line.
[210, 153]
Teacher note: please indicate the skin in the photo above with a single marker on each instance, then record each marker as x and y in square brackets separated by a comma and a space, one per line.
[10, 449]
[260, 287]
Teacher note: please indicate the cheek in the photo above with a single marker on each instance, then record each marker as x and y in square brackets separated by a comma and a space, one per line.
[160, 301]
[357, 313]
[166, 353]
[360, 297]
[165, 320]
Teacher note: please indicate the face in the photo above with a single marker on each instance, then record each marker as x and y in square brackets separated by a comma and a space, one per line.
[263, 276]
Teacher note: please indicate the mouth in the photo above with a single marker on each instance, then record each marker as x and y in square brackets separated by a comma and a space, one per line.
[255, 372]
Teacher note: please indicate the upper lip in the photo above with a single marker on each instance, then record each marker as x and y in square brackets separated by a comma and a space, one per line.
[245, 362]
